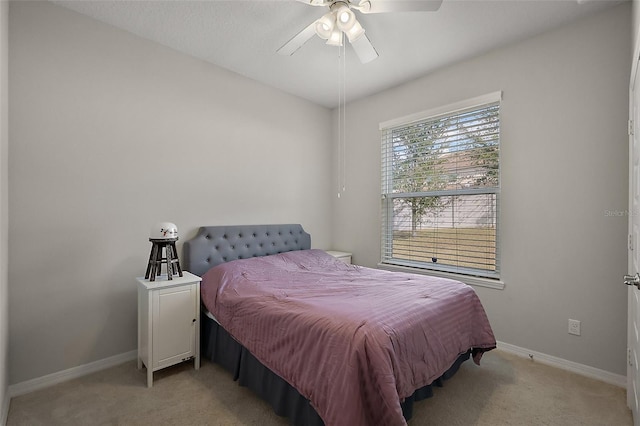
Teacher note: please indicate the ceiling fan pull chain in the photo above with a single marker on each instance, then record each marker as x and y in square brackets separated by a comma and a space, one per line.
[344, 118]
[341, 145]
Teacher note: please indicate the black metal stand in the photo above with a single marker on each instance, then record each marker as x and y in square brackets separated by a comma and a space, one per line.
[154, 268]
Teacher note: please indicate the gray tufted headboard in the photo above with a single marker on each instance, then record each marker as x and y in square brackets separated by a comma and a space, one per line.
[213, 245]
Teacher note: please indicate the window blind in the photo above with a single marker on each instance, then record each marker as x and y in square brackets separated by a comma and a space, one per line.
[440, 190]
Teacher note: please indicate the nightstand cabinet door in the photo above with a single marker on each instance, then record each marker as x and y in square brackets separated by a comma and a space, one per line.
[168, 322]
[174, 321]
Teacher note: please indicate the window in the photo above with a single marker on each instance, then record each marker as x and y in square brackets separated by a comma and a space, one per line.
[441, 188]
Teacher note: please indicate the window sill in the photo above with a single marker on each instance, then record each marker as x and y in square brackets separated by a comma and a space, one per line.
[467, 279]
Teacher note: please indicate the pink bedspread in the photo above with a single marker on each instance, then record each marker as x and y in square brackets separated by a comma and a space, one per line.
[354, 341]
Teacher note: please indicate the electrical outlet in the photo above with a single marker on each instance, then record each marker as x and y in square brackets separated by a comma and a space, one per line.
[574, 327]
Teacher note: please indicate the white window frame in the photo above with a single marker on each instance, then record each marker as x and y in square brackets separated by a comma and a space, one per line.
[483, 278]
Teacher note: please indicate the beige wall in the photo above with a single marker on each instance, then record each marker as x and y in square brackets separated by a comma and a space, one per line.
[636, 23]
[564, 165]
[4, 141]
[111, 133]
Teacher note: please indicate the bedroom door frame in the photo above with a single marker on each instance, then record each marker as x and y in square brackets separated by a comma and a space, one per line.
[633, 252]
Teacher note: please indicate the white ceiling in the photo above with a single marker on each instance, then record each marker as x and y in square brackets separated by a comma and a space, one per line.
[243, 36]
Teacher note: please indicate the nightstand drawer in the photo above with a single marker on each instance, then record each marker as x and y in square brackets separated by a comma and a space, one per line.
[344, 256]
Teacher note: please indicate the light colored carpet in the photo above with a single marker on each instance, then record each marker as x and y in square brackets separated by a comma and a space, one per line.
[504, 390]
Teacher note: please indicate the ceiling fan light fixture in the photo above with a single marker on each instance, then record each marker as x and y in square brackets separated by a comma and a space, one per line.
[335, 39]
[355, 32]
[345, 18]
[325, 26]
[364, 6]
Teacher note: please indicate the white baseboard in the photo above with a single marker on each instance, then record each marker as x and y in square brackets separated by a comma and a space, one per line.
[72, 373]
[574, 367]
[92, 367]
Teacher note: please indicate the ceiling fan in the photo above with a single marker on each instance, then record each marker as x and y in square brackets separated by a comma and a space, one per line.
[341, 21]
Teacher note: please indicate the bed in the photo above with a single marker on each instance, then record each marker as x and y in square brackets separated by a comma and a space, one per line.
[322, 341]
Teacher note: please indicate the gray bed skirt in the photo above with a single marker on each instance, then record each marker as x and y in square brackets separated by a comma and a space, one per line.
[219, 347]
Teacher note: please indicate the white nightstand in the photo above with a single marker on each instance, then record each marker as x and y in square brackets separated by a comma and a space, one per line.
[345, 257]
[168, 322]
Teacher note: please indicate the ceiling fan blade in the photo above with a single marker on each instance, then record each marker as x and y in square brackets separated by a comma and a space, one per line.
[385, 6]
[290, 47]
[364, 49]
